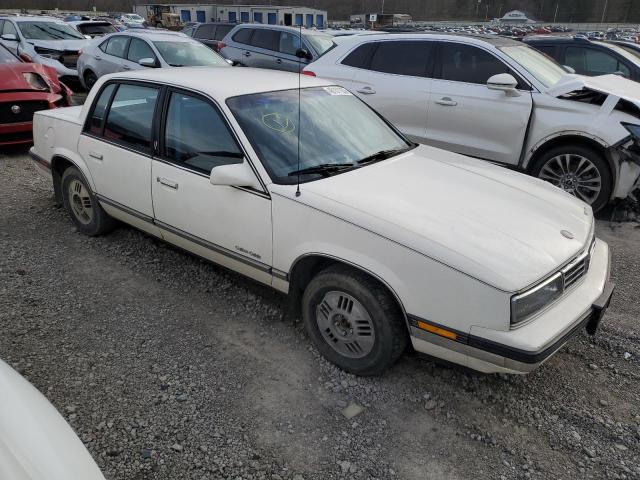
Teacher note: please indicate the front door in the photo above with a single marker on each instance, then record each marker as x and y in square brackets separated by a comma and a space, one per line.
[395, 82]
[114, 56]
[228, 225]
[468, 118]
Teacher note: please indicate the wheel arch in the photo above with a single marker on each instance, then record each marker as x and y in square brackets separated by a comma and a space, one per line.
[306, 266]
[59, 163]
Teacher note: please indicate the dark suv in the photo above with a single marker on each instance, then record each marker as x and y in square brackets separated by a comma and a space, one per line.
[211, 34]
[589, 57]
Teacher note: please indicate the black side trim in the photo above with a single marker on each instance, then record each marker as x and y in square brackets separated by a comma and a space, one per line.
[280, 274]
[125, 209]
[38, 159]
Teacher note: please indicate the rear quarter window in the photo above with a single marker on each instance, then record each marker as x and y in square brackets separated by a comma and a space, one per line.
[359, 57]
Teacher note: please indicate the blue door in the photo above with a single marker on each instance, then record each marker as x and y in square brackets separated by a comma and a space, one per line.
[185, 15]
[200, 16]
[320, 21]
[232, 17]
[309, 20]
[298, 19]
[244, 17]
[257, 17]
[272, 18]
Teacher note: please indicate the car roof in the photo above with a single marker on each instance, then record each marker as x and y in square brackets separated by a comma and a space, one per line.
[223, 83]
[555, 39]
[284, 28]
[156, 34]
[477, 39]
[89, 22]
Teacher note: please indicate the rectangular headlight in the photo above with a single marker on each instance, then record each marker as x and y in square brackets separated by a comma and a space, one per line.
[527, 304]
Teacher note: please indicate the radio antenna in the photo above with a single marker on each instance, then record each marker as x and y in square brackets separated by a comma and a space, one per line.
[299, 53]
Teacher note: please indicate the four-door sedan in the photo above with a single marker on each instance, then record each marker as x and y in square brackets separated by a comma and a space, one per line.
[133, 50]
[379, 242]
[499, 100]
[24, 89]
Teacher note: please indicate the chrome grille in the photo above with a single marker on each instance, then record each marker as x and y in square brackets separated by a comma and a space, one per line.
[577, 269]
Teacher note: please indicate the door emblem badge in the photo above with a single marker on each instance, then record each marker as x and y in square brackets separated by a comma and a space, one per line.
[567, 234]
[16, 109]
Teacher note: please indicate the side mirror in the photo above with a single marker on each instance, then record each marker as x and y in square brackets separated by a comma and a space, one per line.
[10, 37]
[148, 62]
[303, 54]
[620, 74]
[88, 37]
[504, 82]
[569, 69]
[234, 175]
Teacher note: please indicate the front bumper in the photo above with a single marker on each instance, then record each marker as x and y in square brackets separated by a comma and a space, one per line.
[523, 349]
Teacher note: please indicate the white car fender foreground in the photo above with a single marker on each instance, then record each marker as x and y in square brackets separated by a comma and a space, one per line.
[36, 443]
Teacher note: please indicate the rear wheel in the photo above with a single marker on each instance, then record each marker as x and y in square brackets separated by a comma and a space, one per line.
[578, 170]
[90, 79]
[353, 321]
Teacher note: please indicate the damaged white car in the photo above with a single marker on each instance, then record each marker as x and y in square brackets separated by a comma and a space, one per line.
[499, 100]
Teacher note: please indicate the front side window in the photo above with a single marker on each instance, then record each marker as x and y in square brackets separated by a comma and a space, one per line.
[266, 39]
[39, 30]
[138, 50]
[589, 61]
[221, 31]
[117, 46]
[403, 58]
[335, 128]
[469, 64]
[543, 68]
[131, 115]
[243, 36]
[97, 118]
[205, 32]
[289, 43]
[189, 54]
[196, 135]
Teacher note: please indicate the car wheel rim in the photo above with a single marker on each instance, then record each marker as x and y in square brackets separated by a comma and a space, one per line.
[80, 202]
[345, 324]
[574, 174]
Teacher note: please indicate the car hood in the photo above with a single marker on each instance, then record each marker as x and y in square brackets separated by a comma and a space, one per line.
[497, 225]
[12, 78]
[35, 441]
[61, 45]
[609, 84]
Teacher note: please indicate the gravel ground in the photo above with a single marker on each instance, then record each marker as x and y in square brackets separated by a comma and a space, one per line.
[168, 367]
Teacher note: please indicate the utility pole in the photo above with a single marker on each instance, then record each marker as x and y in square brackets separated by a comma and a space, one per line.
[555, 15]
[604, 10]
[382, 12]
[486, 13]
[478, 9]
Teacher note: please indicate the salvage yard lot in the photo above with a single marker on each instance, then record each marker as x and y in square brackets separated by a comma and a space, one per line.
[168, 367]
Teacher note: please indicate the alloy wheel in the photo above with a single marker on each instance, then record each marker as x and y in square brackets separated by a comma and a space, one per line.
[575, 174]
[80, 202]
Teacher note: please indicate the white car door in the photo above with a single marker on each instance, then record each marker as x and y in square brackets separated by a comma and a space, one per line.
[228, 225]
[395, 82]
[139, 49]
[465, 116]
[116, 145]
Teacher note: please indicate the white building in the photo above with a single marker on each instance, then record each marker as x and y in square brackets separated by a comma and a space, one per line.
[274, 15]
[517, 16]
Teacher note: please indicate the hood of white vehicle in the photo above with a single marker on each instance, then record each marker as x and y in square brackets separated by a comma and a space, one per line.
[499, 226]
[610, 84]
[35, 441]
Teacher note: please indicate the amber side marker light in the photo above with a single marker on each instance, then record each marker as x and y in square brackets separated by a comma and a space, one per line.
[438, 331]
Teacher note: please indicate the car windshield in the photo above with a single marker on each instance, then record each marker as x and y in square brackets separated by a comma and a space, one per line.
[320, 43]
[48, 31]
[7, 57]
[336, 128]
[544, 69]
[188, 54]
[134, 17]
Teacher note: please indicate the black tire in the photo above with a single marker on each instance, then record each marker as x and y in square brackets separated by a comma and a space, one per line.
[90, 79]
[595, 157]
[77, 197]
[390, 331]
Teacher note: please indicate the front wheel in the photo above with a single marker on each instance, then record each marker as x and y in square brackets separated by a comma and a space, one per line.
[581, 171]
[353, 321]
[90, 79]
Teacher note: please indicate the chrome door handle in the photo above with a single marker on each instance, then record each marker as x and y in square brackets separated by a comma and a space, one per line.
[366, 91]
[247, 54]
[167, 183]
[96, 155]
[279, 60]
[447, 102]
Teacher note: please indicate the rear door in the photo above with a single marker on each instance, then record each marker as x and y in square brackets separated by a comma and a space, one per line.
[465, 116]
[395, 81]
[264, 49]
[238, 48]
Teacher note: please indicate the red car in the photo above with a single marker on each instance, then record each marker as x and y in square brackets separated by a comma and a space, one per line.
[26, 88]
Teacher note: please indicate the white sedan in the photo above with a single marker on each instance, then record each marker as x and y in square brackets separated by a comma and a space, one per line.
[379, 243]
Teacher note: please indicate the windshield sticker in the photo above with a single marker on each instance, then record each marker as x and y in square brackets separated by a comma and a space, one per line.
[277, 122]
[337, 91]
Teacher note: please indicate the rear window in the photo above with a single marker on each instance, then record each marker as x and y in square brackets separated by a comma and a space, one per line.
[205, 32]
[221, 31]
[96, 28]
[242, 36]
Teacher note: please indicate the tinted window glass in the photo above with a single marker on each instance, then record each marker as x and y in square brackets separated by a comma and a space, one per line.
[289, 43]
[589, 61]
[547, 50]
[267, 39]
[103, 45]
[96, 28]
[131, 115]
[197, 136]
[320, 43]
[95, 124]
[465, 63]
[138, 50]
[205, 31]
[7, 57]
[359, 56]
[9, 28]
[117, 46]
[243, 36]
[402, 58]
[221, 31]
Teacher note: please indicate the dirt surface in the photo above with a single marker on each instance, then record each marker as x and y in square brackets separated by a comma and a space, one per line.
[168, 367]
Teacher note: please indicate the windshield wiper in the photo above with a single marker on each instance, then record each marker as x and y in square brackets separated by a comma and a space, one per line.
[325, 169]
[382, 155]
[175, 65]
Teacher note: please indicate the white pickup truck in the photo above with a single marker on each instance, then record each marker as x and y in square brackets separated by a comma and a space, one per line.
[332, 205]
